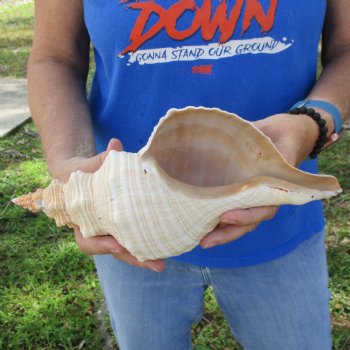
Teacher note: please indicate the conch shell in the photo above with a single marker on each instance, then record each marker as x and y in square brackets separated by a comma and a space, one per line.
[160, 202]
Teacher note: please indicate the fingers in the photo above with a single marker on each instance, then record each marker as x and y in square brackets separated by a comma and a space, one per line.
[249, 216]
[224, 234]
[155, 265]
[235, 223]
[332, 138]
[109, 245]
[97, 245]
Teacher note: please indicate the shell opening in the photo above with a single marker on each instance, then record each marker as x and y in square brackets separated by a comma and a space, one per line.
[200, 148]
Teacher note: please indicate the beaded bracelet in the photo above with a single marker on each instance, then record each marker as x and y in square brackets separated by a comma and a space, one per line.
[321, 124]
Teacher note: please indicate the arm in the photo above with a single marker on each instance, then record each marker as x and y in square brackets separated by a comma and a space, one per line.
[333, 86]
[57, 72]
[334, 83]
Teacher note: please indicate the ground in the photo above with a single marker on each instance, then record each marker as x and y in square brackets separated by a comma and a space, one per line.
[50, 296]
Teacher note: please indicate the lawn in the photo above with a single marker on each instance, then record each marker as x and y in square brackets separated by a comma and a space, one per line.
[49, 294]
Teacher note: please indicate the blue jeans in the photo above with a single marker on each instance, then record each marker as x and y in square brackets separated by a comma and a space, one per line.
[279, 305]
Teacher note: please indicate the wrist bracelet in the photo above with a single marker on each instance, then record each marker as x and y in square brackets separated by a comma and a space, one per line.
[326, 106]
[321, 124]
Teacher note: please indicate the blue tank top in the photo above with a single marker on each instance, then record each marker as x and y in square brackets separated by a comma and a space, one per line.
[254, 58]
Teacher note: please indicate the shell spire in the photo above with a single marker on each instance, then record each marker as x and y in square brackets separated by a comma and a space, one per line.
[49, 200]
[32, 201]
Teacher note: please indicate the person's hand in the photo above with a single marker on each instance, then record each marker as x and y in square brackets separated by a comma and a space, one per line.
[109, 245]
[101, 244]
[294, 137]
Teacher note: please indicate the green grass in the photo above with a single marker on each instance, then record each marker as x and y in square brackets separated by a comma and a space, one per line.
[49, 293]
[16, 23]
[336, 161]
[212, 332]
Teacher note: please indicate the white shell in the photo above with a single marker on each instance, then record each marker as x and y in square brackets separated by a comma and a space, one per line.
[161, 201]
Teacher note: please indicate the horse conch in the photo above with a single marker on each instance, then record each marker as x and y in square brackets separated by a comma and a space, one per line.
[161, 201]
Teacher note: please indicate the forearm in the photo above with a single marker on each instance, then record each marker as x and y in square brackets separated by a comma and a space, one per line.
[334, 84]
[59, 108]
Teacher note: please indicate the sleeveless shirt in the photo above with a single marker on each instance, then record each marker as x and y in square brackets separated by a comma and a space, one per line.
[254, 58]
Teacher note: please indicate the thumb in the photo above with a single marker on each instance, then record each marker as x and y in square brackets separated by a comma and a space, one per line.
[87, 165]
[113, 145]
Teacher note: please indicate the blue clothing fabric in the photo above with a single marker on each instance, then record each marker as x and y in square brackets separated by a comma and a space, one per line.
[251, 57]
[279, 305]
